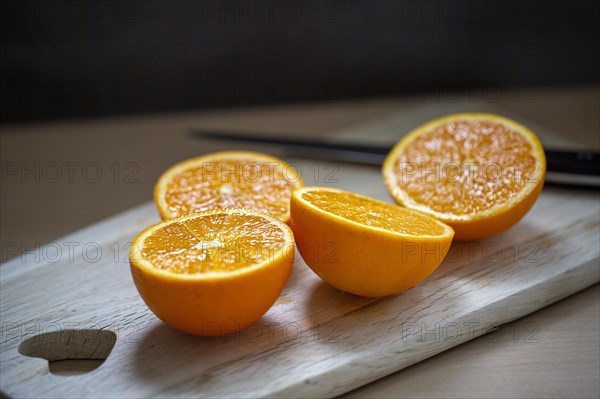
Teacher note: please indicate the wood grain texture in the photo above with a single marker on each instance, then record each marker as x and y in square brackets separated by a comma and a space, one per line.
[551, 353]
[315, 341]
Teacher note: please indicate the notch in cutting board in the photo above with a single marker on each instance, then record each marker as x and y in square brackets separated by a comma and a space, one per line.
[70, 352]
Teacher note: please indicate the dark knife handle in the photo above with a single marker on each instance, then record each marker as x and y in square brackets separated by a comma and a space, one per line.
[573, 162]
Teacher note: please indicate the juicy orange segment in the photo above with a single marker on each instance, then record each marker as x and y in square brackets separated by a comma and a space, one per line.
[480, 173]
[215, 272]
[356, 208]
[365, 246]
[233, 179]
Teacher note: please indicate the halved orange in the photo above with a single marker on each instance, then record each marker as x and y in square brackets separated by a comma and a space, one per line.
[229, 179]
[365, 246]
[215, 272]
[479, 173]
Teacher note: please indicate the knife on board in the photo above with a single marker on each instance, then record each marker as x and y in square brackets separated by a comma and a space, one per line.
[569, 168]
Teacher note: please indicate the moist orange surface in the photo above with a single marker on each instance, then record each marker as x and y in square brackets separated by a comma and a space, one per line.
[466, 167]
[373, 213]
[258, 185]
[213, 243]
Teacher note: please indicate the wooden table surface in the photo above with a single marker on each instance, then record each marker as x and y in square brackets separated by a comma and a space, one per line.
[59, 177]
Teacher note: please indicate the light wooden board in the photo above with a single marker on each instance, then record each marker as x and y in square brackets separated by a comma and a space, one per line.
[315, 341]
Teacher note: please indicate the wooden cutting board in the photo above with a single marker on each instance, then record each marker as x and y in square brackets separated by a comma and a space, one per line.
[314, 342]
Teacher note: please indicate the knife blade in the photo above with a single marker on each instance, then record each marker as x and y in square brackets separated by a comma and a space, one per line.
[564, 167]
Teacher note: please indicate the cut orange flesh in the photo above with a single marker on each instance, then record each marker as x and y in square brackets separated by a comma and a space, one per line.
[480, 173]
[365, 246]
[232, 179]
[213, 243]
[372, 213]
[212, 273]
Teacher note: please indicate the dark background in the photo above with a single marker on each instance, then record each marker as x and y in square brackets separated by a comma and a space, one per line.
[64, 59]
